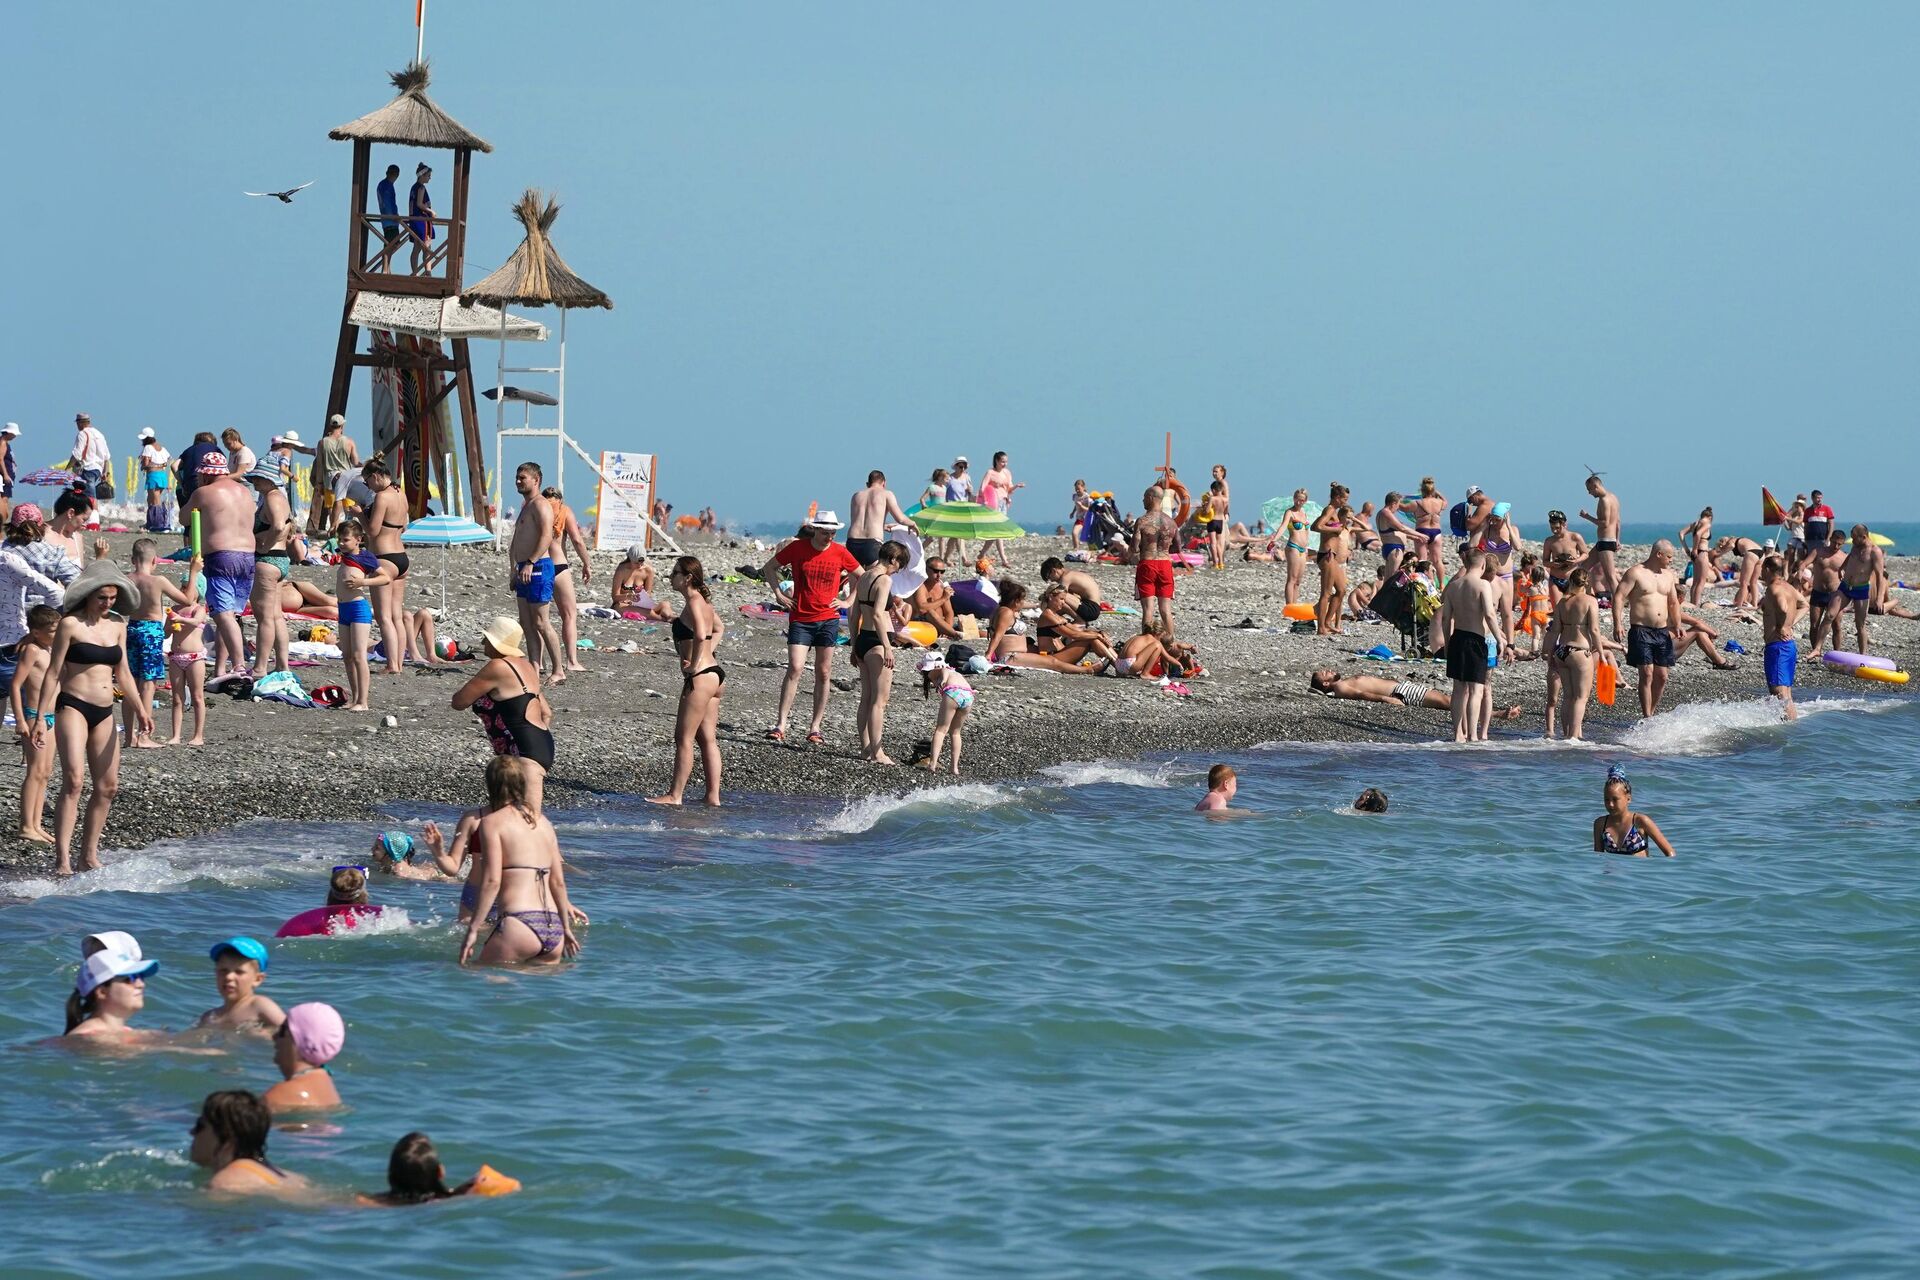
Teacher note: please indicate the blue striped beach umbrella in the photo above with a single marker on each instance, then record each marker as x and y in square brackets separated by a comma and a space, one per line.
[445, 532]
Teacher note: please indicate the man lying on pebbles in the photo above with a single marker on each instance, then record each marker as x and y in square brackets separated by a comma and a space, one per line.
[1400, 693]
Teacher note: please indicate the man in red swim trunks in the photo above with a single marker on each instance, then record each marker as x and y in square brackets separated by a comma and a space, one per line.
[1153, 537]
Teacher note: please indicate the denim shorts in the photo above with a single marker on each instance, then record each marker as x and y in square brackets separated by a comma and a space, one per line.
[814, 635]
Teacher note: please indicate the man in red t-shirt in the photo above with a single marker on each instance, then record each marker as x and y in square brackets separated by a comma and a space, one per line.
[820, 567]
[1819, 521]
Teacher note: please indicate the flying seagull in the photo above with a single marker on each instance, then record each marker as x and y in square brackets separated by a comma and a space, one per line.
[284, 197]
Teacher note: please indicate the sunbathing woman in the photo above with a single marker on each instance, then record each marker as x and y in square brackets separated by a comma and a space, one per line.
[1004, 646]
[522, 872]
[1148, 656]
[1293, 530]
[1496, 543]
[1060, 632]
[1396, 535]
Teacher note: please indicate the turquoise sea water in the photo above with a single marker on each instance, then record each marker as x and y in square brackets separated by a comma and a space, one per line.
[1070, 1029]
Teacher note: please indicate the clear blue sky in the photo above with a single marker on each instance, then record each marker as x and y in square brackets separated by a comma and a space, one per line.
[1490, 241]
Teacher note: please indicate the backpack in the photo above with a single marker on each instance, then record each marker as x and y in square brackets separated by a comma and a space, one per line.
[1458, 519]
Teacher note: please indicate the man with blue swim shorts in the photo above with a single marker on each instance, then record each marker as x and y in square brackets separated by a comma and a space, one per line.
[1780, 606]
[226, 509]
[532, 577]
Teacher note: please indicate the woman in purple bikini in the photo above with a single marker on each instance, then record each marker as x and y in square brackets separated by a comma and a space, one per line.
[521, 873]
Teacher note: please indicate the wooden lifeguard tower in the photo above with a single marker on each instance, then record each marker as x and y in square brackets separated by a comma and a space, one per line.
[404, 286]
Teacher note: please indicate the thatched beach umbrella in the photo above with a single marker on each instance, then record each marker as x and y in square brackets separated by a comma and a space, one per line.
[411, 119]
[535, 275]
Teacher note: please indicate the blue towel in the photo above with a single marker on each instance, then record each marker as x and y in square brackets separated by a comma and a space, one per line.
[1734, 646]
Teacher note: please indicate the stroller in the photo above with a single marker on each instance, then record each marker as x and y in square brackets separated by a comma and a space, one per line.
[1407, 600]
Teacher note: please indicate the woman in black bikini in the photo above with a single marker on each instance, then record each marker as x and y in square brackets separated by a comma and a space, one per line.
[505, 694]
[89, 657]
[1331, 525]
[696, 638]
[522, 874]
[1060, 632]
[386, 522]
[1621, 830]
[872, 627]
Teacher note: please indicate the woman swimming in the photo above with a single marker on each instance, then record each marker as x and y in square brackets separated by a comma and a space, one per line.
[230, 1138]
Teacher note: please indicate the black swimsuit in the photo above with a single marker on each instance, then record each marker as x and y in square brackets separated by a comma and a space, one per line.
[867, 640]
[683, 634]
[506, 723]
[84, 653]
[400, 561]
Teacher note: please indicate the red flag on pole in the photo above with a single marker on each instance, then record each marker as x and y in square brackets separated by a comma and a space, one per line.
[1771, 512]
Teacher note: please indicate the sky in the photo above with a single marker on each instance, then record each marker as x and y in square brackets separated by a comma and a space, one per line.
[1496, 243]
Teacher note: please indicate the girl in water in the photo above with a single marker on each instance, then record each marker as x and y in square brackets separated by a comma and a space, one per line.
[1620, 829]
[521, 872]
[89, 659]
[696, 638]
[230, 1138]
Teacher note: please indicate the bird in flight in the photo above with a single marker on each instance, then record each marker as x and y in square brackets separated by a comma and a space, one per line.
[284, 197]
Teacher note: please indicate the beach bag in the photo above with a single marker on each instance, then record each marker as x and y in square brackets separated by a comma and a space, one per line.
[1457, 518]
[958, 656]
[104, 490]
[1605, 679]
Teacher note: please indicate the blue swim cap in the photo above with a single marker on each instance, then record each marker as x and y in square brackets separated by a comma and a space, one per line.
[399, 846]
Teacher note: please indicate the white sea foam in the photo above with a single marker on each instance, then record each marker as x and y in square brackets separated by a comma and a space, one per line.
[1714, 728]
[867, 812]
[388, 921]
[161, 869]
[1124, 773]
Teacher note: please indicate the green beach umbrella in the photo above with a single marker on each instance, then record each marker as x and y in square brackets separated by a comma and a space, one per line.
[966, 520]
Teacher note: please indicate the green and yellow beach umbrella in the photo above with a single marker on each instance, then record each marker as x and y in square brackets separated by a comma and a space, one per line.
[969, 520]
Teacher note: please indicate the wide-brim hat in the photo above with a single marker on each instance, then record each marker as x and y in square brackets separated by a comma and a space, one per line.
[101, 573]
[262, 471]
[292, 437]
[506, 637]
[823, 520]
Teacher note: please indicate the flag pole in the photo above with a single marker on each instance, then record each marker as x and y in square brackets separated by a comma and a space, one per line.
[419, 30]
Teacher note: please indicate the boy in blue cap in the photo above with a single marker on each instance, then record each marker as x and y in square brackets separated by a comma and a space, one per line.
[239, 967]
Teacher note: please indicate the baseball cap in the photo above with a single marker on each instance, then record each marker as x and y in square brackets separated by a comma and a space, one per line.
[115, 941]
[637, 552]
[317, 1032]
[241, 945]
[1473, 489]
[146, 433]
[103, 967]
[337, 420]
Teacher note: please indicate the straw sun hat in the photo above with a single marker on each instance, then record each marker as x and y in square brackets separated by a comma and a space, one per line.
[504, 634]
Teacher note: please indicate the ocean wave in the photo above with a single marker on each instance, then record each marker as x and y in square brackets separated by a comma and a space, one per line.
[867, 812]
[135, 1169]
[1124, 773]
[1716, 728]
[156, 870]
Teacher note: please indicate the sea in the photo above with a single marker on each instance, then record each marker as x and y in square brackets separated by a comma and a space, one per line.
[1065, 1027]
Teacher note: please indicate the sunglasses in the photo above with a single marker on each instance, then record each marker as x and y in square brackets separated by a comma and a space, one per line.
[934, 573]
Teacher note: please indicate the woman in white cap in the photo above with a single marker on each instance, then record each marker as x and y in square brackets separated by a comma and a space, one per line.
[110, 989]
[156, 480]
[505, 694]
[9, 467]
[89, 658]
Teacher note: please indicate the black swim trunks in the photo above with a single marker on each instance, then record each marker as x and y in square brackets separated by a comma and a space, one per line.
[865, 550]
[1606, 545]
[1649, 646]
[1467, 657]
[1089, 612]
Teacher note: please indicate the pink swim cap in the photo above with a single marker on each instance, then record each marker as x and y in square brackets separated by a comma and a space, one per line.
[318, 1033]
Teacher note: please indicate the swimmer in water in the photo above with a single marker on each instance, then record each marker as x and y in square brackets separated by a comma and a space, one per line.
[1620, 829]
[415, 1176]
[1222, 783]
[310, 1037]
[230, 1138]
[110, 989]
[1372, 800]
[239, 967]
[394, 853]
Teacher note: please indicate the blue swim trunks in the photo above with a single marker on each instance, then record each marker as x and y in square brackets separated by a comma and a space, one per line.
[146, 649]
[229, 580]
[1782, 657]
[356, 611]
[538, 589]
[1859, 592]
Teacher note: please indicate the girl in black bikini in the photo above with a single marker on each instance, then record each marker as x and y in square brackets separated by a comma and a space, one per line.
[505, 694]
[89, 657]
[521, 872]
[696, 638]
[873, 648]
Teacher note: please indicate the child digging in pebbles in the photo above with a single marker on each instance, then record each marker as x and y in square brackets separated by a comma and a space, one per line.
[956, 700]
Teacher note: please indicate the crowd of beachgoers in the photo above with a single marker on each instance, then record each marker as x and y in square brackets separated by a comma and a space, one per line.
[232, 590]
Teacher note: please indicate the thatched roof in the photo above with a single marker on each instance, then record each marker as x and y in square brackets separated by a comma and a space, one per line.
[438, 318]
[536, 275]
[411, 119]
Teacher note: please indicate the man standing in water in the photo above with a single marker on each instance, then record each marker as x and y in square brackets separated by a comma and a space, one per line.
[1649, 595]
[1862, 576]
[869, 511]
[1780, 605]
[1469, 620]
[532, 578]
[1605, 519]
[226, 508]
[1154, 535]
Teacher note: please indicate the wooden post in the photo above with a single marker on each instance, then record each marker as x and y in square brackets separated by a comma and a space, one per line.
[357, 201]
[342, 362]
[478, 498]
[457, 233]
